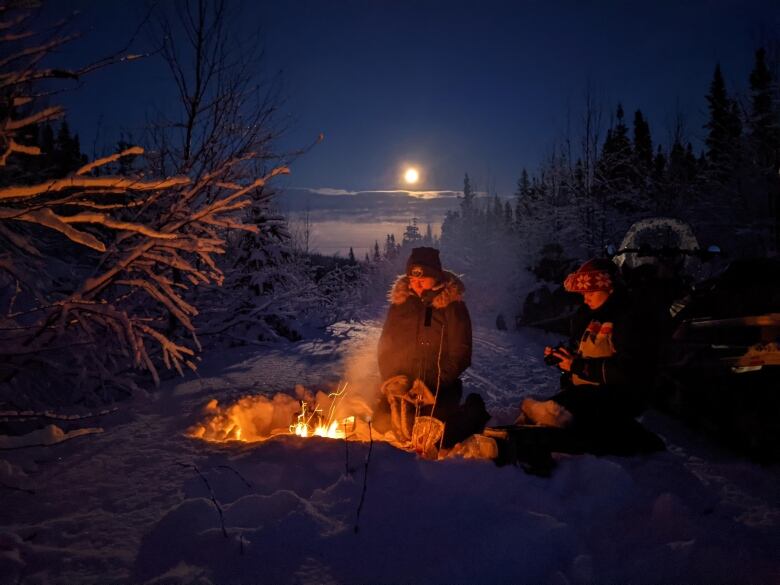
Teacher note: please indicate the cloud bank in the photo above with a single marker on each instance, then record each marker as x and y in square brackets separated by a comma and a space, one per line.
[326, 203]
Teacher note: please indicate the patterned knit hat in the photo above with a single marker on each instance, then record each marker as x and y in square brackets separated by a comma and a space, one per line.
[595, 275]
[424, 262]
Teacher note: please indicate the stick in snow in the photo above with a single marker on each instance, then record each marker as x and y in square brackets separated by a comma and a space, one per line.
[211, 492]
[365, 478]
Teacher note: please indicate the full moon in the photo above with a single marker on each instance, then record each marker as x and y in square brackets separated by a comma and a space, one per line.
[411, 175]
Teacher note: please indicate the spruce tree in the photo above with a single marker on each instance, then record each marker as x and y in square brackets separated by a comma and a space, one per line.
[67, 152]
[643, 146]
[467, 204]
[616, 156]
[428, 239]
[659, 164]
[523, 190]
[763, 122]
[764, 141]
[411, 233]
[723, 128]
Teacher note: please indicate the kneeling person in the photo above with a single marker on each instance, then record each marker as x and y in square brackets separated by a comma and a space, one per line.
[424, 348]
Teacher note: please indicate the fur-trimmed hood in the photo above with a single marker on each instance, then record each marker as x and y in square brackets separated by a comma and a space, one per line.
[449, 290]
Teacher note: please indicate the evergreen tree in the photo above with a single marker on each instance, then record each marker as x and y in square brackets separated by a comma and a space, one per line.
[351, 256]
[659, 165]
[412, 233]
[764, 144]
[377, 254]
[523, 190]
[67, 155]
[508, 215]
[643, 146]
[677, 171]
[47, 140]
[391, 248]
[467, 204]
[496, 212]
[723, 128]
[763, 122]
[616, 156]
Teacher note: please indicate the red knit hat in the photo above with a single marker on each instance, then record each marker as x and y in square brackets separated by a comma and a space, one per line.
[595, 275]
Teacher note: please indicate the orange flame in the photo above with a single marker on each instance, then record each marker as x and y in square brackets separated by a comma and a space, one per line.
[331, 429]
[255, 418]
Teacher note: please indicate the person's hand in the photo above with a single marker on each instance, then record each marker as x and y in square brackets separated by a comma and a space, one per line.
[562, 354]
[420, 393]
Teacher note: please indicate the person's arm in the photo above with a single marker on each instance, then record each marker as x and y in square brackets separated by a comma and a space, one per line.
[387, 350]
[456, 354]
[636, 345]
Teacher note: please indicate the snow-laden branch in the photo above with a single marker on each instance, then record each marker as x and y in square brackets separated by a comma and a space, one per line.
[118, 184]
[132, 151]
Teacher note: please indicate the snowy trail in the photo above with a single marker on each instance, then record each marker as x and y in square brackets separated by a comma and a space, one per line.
[128, 506]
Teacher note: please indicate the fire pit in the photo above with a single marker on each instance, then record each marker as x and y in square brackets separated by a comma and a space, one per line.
[260, 417]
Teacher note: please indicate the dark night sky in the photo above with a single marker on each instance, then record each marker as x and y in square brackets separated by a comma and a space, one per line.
[478, 86]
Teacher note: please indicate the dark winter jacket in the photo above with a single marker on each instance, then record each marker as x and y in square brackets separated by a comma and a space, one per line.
[427, 338]
[617, 348]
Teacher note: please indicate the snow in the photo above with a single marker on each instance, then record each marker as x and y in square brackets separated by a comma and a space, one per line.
[49, 435]
[143, 503]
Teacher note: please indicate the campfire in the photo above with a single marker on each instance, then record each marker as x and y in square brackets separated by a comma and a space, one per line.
[310, 422]
[259, 417]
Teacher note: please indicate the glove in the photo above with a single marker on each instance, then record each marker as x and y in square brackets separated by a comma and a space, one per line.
[395, 386]
[420, 393]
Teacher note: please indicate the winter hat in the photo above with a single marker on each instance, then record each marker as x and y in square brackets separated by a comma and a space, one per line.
[424, 262]
[595, 275]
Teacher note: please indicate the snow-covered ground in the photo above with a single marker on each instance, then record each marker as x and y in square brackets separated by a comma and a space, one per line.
[142, 503]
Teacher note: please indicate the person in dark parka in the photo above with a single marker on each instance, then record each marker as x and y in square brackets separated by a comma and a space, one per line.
[426, 338]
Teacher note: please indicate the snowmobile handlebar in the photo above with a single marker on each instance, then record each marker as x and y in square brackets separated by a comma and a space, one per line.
[666, 252]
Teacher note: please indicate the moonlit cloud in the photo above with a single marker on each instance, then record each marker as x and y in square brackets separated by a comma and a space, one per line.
[428, 194]
[329, 191]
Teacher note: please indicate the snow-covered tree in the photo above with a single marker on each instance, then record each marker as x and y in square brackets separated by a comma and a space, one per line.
[87, 257]
[227, 112]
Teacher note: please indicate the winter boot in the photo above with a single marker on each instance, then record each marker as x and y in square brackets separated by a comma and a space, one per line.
[545, 412]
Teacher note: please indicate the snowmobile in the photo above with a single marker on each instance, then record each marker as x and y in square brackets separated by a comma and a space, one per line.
[719, 368]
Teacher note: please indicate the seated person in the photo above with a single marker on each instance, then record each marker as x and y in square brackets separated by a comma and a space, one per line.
[424, 347]
[607, 377]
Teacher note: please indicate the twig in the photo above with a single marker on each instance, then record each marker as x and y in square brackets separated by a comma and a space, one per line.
[346, 450]
[365, 478]
[241, 477]
[211, 492]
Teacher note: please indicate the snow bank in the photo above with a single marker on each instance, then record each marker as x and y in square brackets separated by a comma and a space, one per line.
[143, 504]
[49, 435]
